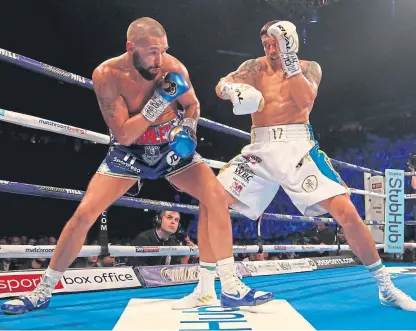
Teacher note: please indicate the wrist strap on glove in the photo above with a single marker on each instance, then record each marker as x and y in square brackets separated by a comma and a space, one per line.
[154, 107]
[290, 64]
[189, 122]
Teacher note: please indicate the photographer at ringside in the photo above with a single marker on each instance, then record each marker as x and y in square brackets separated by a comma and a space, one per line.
[166, 224]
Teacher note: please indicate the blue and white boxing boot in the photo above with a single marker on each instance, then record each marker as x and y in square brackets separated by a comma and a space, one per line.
[390, 295]
[39, 298]
[234, 292]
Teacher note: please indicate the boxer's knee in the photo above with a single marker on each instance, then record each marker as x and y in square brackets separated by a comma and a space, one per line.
[346, 214]
[84, 217]
[216, 197]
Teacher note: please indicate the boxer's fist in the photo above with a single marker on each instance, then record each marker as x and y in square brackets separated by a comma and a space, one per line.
[182, 138]
[245, 98]
[286, 35]
[168, 89]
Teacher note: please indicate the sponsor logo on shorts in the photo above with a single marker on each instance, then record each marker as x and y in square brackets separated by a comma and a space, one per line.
[151, 155]
[236, 187]
[244, 173]
[172, 159]
[127, 164]
[310, 184]
[2, 111]
[253, 159]
[9, 54]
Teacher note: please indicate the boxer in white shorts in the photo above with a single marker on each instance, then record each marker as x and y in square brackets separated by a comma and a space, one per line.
[281, 155]
[279, 91]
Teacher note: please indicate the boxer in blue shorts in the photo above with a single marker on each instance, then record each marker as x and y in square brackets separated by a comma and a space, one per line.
[147, 100]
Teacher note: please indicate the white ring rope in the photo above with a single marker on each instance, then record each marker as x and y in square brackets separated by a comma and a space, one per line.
[46, 251]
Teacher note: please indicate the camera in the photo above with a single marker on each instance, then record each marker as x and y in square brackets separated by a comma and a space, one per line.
[180, 236]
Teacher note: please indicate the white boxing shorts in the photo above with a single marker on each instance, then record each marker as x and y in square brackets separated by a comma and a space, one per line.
[282, 155]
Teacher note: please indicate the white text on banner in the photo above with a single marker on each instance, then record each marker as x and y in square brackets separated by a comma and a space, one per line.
[394, 213]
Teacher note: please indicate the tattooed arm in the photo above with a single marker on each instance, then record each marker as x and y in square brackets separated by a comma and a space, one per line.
[246, 74]
[304, 88]
[114, 109]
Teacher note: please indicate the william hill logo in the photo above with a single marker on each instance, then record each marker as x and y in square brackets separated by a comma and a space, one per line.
[179, 275]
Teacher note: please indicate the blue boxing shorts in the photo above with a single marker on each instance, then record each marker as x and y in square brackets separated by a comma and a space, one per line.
[149, 157]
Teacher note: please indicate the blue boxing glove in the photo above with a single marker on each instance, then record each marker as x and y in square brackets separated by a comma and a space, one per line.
[171, 87]
[182, 138]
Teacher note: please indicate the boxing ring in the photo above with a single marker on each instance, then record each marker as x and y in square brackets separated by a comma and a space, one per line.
[347, 293]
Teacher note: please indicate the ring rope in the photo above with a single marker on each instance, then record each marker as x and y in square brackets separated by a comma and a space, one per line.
[46, 251]
[62, 75]
[124, 201]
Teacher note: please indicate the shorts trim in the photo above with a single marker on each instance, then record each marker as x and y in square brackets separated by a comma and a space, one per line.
[178, 171]
[325, 166]
[111, 174]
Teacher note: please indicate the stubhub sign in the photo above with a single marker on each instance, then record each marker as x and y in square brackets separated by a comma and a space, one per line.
[275, 315]
[76, 280]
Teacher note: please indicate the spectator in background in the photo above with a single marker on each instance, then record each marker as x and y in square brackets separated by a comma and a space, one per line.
[36, 263]
[31, 241]
[326, 236]
[89, 262]
[15, 240]
[343, 241]
[43, 241]
[16, 264]
[165, 225]
[106, 261]
[52, 241]
[411, 164]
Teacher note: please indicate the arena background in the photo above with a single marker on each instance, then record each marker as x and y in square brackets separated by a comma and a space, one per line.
[364, 111]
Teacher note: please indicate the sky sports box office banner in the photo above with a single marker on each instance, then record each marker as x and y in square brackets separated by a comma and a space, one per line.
[98, 279]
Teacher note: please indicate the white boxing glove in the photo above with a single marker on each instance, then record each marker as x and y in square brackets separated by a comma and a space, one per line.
[245, 98]
[288, 40]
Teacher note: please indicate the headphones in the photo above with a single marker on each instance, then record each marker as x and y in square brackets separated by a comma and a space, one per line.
[157, 220]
